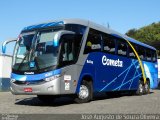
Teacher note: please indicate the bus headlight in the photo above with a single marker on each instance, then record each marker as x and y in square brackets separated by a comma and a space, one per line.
[52, 78]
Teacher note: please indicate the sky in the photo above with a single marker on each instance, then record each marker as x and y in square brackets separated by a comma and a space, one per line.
[121, 15]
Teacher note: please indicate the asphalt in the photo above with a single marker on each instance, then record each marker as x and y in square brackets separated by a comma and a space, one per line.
[102, 104]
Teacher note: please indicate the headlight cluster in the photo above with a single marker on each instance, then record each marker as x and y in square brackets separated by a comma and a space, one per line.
[52, 78]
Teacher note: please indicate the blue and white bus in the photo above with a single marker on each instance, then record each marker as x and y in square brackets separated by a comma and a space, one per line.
[79, 57]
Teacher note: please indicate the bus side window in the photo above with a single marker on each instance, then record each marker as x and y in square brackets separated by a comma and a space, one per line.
[131, 52]
[109, 44]
[67, 50]
[70, 48]
[141, 52]
[93, 43]
[122, 48]
[67, 55]
[148, 55]
[154, 56]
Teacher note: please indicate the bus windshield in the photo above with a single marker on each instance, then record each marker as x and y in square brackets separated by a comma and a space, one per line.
[35, 51]
[41, 50]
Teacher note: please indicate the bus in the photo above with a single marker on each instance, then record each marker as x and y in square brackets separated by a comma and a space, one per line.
[159, 71]
[79, 57]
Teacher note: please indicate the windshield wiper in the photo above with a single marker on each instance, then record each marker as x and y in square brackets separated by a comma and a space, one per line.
[23, 60]
[36, 63]
[32, 51]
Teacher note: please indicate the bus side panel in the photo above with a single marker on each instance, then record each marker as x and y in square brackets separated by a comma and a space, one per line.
[69, 78]
[116, 77]
[88, 70]
[112, 77]
[151, 72]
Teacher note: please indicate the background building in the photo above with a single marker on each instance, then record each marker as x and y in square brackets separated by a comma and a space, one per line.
[5, 71]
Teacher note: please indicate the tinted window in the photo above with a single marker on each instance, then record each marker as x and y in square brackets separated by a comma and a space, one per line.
[154, 56]
[78, 29]
[93, 43]
[148, 55]
[70, 47]
[131, 52]
[67, 51]
[121, 48]
[67, 55]
[141, 52]
[109, 44]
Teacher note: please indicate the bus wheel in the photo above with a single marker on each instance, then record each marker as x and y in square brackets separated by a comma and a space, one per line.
[46, 98]
[140, 90]
[85, 93]
[147, 87]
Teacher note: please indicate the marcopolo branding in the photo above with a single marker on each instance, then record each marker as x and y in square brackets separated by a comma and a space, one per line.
[111, 62]
[28, 73]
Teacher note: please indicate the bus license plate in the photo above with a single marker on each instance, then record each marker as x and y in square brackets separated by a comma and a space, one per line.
[27, 89]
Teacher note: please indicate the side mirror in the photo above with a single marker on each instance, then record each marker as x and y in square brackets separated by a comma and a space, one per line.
[5, 43]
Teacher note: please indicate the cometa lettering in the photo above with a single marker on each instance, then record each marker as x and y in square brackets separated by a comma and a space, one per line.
[111, 62]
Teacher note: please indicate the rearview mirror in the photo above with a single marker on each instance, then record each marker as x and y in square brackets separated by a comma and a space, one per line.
[5, 43]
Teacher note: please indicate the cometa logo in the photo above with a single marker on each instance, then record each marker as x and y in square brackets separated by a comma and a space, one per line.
[111, 62]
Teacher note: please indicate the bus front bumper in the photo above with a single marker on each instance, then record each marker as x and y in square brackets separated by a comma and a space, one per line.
[46, 88]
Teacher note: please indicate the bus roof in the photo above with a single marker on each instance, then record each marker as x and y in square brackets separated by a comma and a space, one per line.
[85, 23]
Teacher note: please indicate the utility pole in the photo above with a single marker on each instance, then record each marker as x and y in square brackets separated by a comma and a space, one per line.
[108, 25]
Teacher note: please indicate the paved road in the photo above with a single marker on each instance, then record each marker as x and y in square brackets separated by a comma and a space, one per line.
[124, 104]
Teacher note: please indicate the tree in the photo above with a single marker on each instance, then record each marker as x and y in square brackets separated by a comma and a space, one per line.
[148, 34]
[131, 32]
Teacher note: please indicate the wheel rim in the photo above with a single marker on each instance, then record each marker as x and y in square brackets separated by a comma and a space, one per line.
[84, 92]
[147, 87]
[141, 88]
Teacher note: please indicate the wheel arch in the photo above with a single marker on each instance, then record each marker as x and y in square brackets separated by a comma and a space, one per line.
[86, 77]
[147, 79]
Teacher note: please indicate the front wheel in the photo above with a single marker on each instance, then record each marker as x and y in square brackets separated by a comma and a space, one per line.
[85, 93]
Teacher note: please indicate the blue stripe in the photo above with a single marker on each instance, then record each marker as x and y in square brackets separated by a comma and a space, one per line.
[35, 77]
[43, 25]
[108, 84]
[127, 82]
[118, 76]
[125, 76]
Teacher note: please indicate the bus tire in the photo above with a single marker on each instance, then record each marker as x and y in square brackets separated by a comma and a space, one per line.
[140, 90]
[85, 93]
[147, 87]
[46, 98]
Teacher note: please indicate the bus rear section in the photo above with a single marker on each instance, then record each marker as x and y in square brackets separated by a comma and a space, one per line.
[116, 65]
